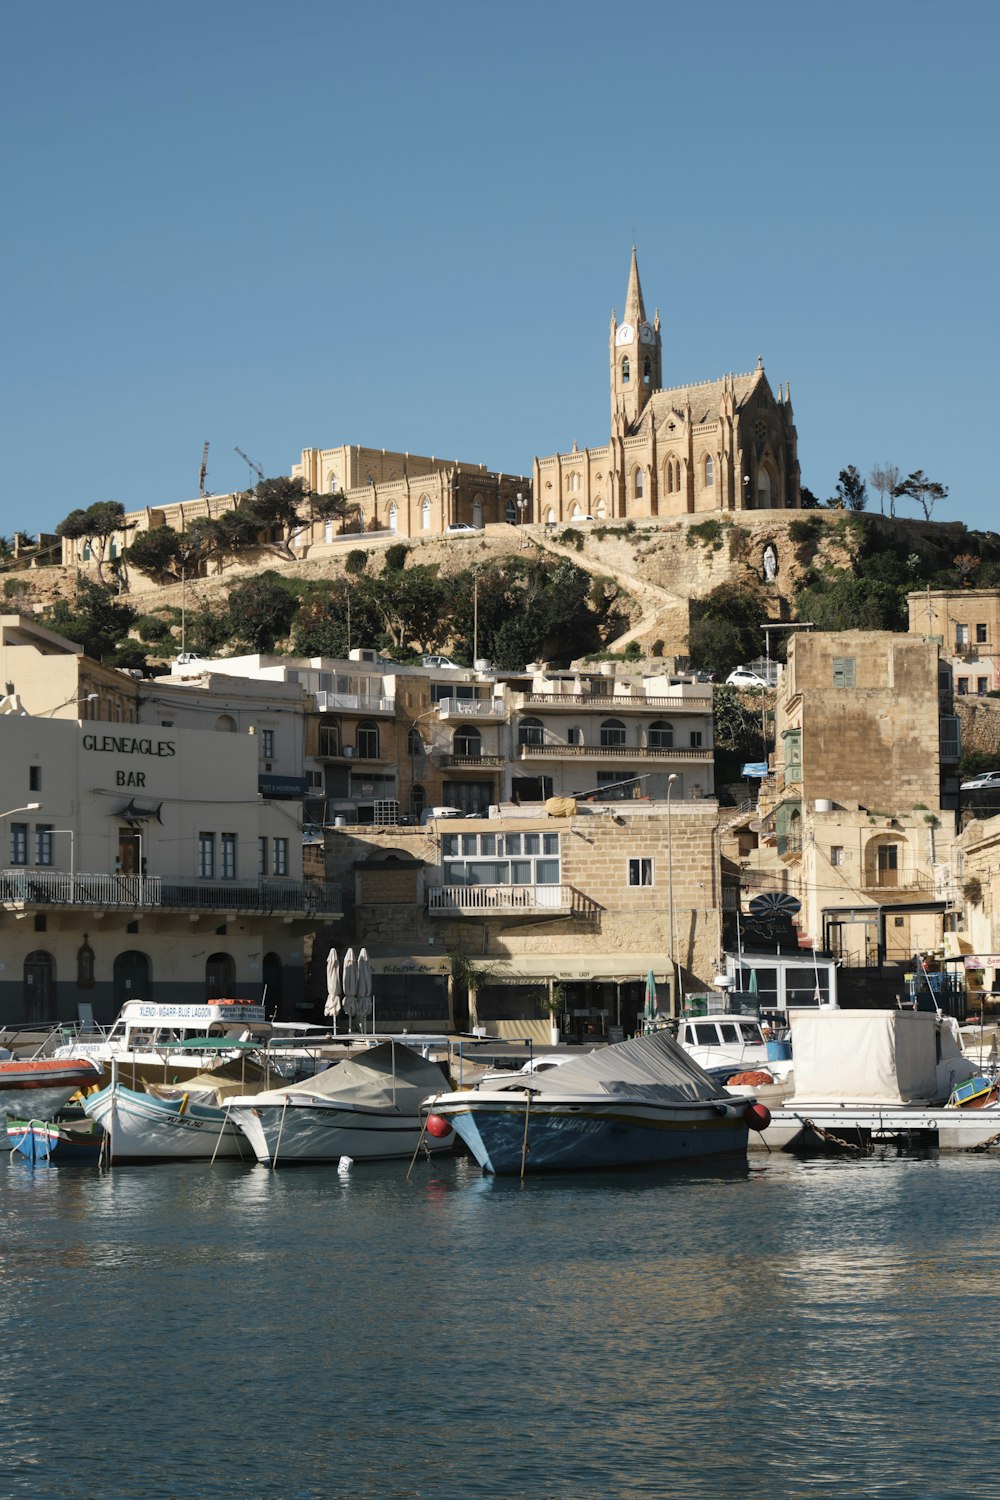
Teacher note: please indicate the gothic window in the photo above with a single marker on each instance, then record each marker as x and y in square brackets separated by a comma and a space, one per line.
[647, 371]
[334, 484]
[626, 370]
[638, 484]
[573, 484]
[612, 734]
[661, 735]
[670, 476]
[414, 744]
[477, 512]
[510, 511]
[425, 513]
[393, 517]
[763, 489]
[709, 471]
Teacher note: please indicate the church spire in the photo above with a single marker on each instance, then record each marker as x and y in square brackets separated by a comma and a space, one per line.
[635, 313]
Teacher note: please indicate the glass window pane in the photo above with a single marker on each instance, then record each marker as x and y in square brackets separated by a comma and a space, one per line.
[550, 843]
[520, 872]
[547, 872]
[532, 843]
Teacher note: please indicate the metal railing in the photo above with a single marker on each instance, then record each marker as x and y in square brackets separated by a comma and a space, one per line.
[54, 888]
[473, 708]
[550, 748]
[611, 701]
[473, 899]
[326, 702]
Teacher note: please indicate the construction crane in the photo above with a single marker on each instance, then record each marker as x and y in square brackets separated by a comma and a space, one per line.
[255, 467]
[204, 470]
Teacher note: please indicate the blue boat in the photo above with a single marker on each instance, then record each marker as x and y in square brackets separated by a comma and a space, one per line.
[43, 1141]
[635, 1104]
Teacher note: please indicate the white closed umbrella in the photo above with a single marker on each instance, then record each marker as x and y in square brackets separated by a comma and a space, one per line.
[334, 1003]
[349, 980]
[365, 1000]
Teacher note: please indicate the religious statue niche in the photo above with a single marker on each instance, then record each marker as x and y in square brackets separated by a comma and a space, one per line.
[85, 966]
[770, 561]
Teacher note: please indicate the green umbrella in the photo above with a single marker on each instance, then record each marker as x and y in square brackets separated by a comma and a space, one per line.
[649, 1009]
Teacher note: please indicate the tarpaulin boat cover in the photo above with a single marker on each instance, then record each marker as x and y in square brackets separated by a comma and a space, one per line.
[866, 1056]
[649, 1067]
[389, 1074]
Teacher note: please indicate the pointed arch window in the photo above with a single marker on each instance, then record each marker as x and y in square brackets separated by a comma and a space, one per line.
[477, 512]
[393, 517]
[709, 471]
[425, 513]
[626, 370]
[637, 489]
[647, 371]
[763, 489]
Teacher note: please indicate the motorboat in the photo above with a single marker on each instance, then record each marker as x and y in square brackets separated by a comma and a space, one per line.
[366, 1108]
[636, 1103]
[38, 1087]
[175, 1121]
[161, 1042]
[735, 1043]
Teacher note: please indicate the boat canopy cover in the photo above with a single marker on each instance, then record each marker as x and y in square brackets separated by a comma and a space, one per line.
[652, 1067]
[387, 1074]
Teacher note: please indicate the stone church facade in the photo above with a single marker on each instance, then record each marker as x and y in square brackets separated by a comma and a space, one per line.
[726, 444]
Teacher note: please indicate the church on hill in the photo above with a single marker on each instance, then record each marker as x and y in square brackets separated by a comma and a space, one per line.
[681, 450]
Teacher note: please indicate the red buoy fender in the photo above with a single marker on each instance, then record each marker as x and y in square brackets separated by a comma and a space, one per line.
[757, 1115]
[438, 1127]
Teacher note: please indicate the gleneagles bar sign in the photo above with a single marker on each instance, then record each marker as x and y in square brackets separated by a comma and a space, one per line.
[123, 744]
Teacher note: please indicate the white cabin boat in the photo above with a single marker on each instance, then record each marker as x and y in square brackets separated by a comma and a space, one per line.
[161, 1042]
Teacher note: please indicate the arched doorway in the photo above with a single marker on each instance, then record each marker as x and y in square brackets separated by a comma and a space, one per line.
[40, 988]
[131, 977]
[220, 976]
[272, 974]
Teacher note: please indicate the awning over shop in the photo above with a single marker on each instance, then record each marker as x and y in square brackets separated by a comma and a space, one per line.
[606, 968]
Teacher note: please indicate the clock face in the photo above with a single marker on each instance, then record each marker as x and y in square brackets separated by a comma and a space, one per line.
[625, 334]
[645, 333]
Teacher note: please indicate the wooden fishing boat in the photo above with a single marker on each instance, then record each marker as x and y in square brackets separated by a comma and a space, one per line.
[38, 1087]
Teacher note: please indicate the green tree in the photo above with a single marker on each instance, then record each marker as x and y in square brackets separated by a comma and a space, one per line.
[261, 611]
[157, 553]
[852, 493]
[851, 602]
[95, 526]
[725, 628]
[926, 492]
[95, 619]
[410, 605]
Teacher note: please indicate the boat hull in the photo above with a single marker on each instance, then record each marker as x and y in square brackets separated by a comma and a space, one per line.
[142, 1128]
[41, 1142]
[507, 1134]
[280, 1135]
[38, 1088]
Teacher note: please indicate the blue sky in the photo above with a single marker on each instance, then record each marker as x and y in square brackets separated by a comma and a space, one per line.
[277, 227]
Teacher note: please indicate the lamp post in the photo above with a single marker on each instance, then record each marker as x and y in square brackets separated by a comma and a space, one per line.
[674, 1008]
[75, 698]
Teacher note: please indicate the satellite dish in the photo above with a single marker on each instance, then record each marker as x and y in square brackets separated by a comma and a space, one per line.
[773, 902]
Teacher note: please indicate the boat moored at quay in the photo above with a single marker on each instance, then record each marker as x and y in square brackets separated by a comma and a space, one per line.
[636, 1103]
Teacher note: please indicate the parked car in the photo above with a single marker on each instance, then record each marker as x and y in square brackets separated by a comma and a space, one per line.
[186, 657]
[461, 527]
[431, 814]
[982, 781]
[440, 661]
[745, 677]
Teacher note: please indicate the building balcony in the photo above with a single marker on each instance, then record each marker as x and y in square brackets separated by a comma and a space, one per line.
[473, 762]
[551, 750]
[331, 749]
[697, 699]
[490, 710]
[24, 890]
[359, 703]
[788, 846]
[500, 900]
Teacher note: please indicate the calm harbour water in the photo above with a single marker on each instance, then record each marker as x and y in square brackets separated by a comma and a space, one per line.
[777, 1329]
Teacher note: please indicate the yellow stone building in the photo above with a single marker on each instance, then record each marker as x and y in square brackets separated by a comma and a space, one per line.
[727, 444]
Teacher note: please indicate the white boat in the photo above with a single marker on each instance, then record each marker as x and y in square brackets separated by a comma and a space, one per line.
[366, 1108]
[174, 1122]
[736, 1043]
[870, 1076]
[162, 1042]
[636, 1103]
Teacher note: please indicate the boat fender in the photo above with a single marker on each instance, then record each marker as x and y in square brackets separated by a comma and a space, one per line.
[757, 1115]
[438, 1127]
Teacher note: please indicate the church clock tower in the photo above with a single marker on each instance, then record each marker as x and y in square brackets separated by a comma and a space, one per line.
[636, 359]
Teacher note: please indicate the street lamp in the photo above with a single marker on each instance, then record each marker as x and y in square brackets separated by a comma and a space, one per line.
[522, 506]
[75, 698]
[674, 1008]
